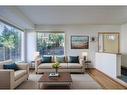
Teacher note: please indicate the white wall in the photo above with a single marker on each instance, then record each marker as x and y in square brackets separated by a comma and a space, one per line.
[109, 64]
[124, 44]
[88, 30]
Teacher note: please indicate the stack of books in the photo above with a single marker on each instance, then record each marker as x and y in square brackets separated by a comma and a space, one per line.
[53, 74]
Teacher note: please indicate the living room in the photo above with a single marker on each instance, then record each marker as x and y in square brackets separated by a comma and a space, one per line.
[27, 39]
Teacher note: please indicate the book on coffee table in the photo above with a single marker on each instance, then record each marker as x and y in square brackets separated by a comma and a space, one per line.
[53, 74]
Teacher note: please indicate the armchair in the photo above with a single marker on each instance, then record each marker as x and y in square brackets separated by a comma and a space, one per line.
[10, 79]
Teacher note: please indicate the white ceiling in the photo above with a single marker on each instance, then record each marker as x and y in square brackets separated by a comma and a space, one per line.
[54, 15]
[75, 14]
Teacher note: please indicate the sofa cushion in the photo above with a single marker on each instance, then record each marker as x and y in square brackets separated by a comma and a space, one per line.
[47, 59]
[19, 73]
[74, 66]
[60, 59]
[63, 65]
[73, 59]
[49, 66]
[45, 66]
[10, 66]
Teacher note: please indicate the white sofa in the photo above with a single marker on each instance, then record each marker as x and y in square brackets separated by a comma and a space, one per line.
[10, 79]
[65, 67]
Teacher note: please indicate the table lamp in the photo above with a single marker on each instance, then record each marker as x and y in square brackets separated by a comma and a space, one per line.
[84, 54]
[36, 56]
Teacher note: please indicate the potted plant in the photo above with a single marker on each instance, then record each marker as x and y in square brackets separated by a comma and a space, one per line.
[56, 66]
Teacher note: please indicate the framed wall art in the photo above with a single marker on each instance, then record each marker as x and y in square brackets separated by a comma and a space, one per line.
[79, 42]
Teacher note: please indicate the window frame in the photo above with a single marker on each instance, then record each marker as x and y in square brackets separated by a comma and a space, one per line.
[42, 31]
[22, 38]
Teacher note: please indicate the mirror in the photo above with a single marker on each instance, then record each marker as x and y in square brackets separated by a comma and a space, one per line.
[108, 42]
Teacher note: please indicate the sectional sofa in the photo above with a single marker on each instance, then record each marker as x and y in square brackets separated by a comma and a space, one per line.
[67, 63]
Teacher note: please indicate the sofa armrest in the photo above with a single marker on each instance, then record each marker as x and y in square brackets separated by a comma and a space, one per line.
[6, 79]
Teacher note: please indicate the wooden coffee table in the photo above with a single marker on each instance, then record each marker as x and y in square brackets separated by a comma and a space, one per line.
[63, 80]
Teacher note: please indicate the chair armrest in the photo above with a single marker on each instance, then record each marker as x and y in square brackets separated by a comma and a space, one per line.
[23, 66]
[6, 79]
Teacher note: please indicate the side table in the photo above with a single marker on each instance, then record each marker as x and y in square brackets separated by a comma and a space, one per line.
[87, 63]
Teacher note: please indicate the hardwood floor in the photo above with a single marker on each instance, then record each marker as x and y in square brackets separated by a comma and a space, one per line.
[104, 80]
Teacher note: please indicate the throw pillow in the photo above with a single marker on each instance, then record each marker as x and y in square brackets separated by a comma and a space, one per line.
[60, 59]
[73, 59]
[46, 59]
[12, 66]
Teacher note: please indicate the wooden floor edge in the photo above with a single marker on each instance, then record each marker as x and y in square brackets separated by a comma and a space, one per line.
[96, 80]
[106, 76]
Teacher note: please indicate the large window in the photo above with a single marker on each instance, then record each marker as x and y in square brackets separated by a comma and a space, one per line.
[10, 42]
[50, 43]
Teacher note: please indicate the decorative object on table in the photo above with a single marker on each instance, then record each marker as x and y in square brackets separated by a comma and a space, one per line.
[79, 42]
[53, 74]
[56, 66]
[84, 55]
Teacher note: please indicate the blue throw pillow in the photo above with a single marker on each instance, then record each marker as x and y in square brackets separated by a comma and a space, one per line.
[60, 59]
[12, 66]
[73, 59]
[47, 59]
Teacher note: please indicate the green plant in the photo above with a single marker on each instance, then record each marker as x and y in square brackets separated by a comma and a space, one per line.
[56, 66]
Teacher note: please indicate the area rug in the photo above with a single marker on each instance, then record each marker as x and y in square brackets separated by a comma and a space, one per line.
[80, 81]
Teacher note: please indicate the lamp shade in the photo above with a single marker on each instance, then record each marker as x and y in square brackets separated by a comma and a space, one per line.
[36, 55]
[84, 53]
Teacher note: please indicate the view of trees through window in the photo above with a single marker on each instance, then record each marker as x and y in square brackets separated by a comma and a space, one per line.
[50, 43]
[10, 42]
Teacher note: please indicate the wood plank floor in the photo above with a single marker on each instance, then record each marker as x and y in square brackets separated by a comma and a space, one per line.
[104, 80]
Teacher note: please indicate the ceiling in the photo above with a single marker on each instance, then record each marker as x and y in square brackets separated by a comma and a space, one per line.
[75, 14]
[61, 15]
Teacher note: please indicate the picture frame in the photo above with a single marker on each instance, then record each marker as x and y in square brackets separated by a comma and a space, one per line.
[79, 42]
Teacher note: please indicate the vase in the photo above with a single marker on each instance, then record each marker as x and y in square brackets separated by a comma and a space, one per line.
[56, 70]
